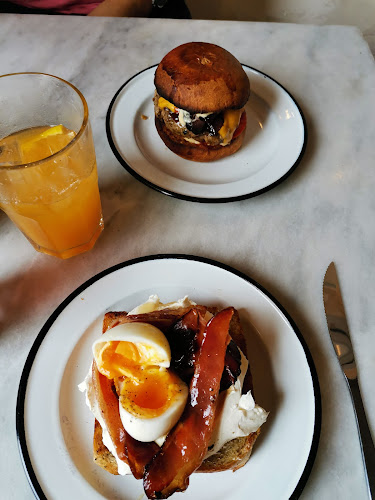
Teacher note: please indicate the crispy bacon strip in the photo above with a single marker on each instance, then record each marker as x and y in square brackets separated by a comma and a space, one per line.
[186, 445]
[128, 449]
[139, 455]
[108, 404]
[162, 319]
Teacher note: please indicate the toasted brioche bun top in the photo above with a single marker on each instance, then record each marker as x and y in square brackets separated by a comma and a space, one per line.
[202, 78]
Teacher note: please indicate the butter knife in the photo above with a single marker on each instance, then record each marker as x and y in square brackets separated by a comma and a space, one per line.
[339, 332]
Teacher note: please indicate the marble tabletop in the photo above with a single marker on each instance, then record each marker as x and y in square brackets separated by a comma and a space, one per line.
[285, 238]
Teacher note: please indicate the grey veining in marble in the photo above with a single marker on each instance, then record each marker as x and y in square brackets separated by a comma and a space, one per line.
[285, 238]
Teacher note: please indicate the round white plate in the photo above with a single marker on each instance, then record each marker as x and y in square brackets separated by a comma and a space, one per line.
[274, 143]
[55, 427]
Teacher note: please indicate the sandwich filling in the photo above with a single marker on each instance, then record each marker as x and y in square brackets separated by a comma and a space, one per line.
[237, 414]
[211, 129]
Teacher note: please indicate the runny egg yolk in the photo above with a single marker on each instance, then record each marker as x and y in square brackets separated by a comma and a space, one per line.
[149, 394]
[118, 358]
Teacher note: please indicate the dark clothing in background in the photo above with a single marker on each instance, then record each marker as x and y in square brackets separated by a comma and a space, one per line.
[173, 9]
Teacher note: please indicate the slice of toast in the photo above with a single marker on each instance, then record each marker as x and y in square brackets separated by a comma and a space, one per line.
[102, 456]
[234, 454]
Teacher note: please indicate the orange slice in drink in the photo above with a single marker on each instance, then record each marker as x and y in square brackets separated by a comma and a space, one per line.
[39, 143]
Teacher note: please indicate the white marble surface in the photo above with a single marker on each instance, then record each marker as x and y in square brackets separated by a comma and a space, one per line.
[284, 238]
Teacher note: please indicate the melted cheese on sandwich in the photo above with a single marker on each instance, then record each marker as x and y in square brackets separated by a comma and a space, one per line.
[163, 103]
[231, 120]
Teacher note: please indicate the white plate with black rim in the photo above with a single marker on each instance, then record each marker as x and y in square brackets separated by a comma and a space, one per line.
[55, 427]
[274, 143]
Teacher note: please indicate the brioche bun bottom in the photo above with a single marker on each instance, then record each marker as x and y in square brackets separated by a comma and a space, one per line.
[196, 152]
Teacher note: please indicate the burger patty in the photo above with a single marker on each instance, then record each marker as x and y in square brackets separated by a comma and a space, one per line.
[202, 130]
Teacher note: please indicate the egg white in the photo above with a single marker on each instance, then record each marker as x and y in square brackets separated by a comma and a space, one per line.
[143, 335]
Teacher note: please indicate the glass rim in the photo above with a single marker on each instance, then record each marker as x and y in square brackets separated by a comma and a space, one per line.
[75, 138]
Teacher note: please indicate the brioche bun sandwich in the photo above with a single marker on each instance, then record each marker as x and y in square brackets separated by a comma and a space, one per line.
[201, 91]
[171, 392]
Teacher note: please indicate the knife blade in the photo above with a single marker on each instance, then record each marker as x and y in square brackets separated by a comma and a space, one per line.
[340, 336]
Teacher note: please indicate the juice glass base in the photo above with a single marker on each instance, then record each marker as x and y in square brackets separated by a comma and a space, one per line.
[71, 252]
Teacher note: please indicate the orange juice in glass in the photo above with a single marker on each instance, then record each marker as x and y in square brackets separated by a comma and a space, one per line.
[48, 173]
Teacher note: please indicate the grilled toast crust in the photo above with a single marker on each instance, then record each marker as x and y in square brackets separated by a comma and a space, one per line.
[102, 456]
[233, 455]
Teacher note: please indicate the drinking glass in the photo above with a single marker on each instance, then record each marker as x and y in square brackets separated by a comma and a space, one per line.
[48, 172]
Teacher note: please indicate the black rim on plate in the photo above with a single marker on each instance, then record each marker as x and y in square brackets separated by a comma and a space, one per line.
[20, 424]
[180, 196]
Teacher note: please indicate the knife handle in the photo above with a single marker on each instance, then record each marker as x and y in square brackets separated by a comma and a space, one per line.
[367, 444]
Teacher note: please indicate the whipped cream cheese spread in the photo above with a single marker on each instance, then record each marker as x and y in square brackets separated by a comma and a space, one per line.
[184, 117]
[153, 304]
[237, 414]
[193, 141]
